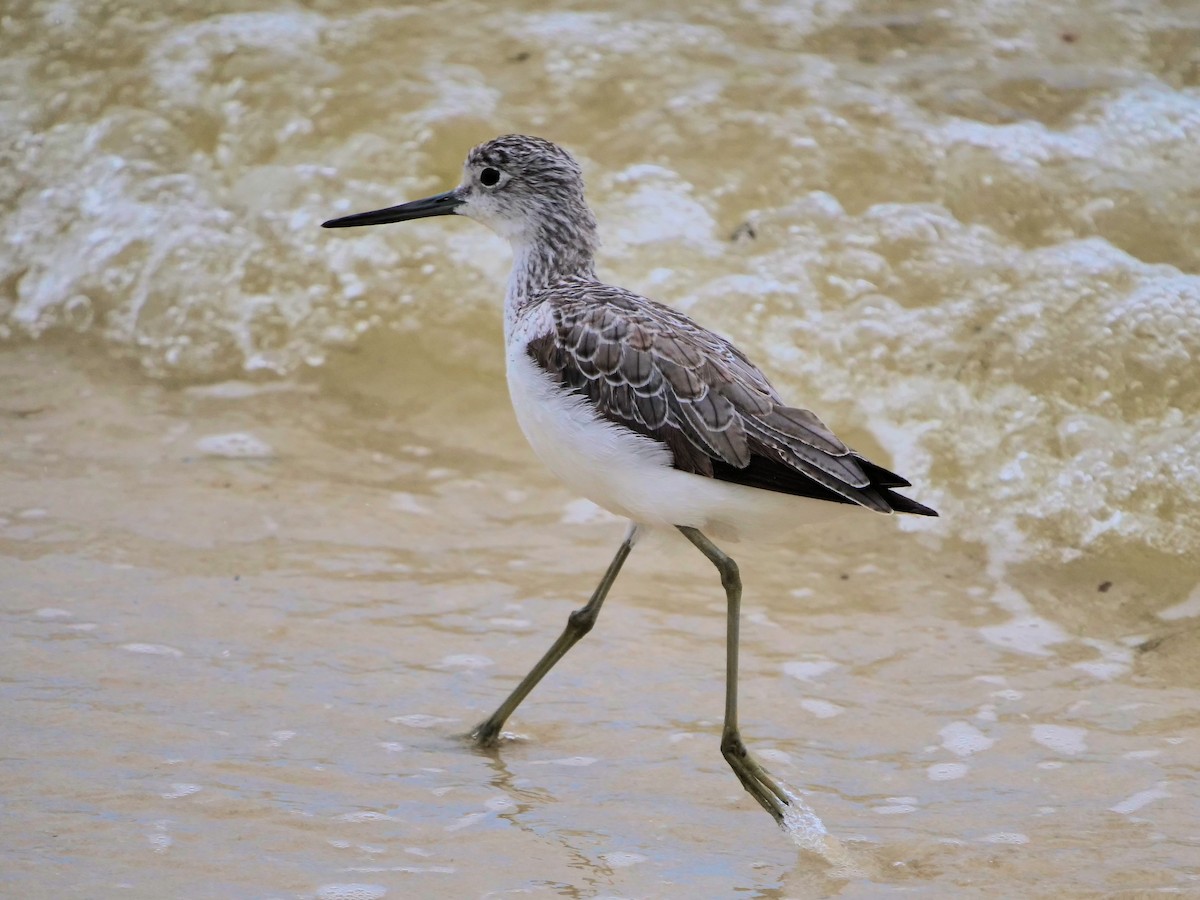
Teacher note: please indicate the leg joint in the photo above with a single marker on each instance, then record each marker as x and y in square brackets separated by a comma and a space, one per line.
[731, 745]
[730, 576]
[581, 621]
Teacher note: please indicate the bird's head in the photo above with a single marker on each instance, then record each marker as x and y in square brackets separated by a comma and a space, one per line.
[524, 188]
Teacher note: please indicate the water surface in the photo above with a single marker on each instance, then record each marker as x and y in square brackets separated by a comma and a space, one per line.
[270, 539]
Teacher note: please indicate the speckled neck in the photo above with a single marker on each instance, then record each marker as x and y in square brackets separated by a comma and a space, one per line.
[559, 247]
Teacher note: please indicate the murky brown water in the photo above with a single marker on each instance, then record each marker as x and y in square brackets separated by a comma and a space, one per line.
[270, 539]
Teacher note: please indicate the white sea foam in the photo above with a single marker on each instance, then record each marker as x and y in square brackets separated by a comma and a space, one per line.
[947, 771]
[351, 891]
[1135, 802]
[1005, 296]
[1065, 739]
[964, 739]
[1185, 609]
[801, 823]
[152, 649]
[808, 669]
[236, 445]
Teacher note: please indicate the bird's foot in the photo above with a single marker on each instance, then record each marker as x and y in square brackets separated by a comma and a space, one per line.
[485, 734]
[757, 781]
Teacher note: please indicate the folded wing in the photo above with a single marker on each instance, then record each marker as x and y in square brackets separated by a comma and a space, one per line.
[652, 369]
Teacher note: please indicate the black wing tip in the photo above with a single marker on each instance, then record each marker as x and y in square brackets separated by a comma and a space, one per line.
[884, 480]
[881, 477]
[900, 503]
[770, 474]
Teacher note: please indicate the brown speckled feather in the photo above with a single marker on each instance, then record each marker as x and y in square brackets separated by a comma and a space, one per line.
[652, 369]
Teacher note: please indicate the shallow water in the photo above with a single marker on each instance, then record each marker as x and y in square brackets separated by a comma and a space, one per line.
[270, 540]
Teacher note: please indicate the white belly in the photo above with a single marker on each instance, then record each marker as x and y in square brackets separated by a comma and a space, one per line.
[631, 475]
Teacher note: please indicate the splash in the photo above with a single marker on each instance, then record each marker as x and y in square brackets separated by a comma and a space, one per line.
[804, 827]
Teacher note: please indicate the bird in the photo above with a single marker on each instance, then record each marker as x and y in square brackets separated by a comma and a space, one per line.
[641, 409]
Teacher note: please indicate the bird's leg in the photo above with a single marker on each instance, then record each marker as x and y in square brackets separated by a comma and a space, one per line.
[579, 623]
[754, 778]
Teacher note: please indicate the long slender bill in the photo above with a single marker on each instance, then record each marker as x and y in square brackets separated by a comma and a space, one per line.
[437, 205]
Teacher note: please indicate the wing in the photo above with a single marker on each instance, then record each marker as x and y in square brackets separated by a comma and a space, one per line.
[652, 369]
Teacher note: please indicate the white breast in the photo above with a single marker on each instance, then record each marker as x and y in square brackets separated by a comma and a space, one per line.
[608, 464]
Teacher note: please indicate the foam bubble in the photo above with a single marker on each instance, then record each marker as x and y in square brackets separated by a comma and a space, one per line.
[622, 859]
[822, 709]
[235, 445]
[1065, 739]
[421, 720]
[466, 661]
[180, 789]
[947, 771]
[351, 891]
[1185, 609]
[807, 670]
[1134, 802]
[1006, 837]
[964, 739]
[1027, 634]
[152, 649]
[365, 816]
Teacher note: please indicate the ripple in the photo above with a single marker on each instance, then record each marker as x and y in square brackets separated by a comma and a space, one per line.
[152, 649]
[180, 789]
[573, 762]
[466, 661]
[421, 720]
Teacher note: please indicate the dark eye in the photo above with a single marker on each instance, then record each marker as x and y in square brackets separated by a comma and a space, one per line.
[489, 177]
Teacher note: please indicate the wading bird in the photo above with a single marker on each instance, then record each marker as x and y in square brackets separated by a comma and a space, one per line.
[640, 409]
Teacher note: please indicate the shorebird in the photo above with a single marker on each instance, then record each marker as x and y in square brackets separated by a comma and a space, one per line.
[640, 409]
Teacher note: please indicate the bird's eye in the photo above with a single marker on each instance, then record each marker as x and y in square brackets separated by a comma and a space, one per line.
[489, 177]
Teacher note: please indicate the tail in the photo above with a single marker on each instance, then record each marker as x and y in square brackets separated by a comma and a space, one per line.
[883, 480]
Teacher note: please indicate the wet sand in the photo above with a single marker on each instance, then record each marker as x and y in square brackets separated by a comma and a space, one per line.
[244, 676]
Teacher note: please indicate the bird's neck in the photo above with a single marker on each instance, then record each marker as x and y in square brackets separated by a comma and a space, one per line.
[556, 251]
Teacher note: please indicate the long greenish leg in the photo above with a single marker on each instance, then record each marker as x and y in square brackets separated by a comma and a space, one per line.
[754, 778]
[579, 623]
